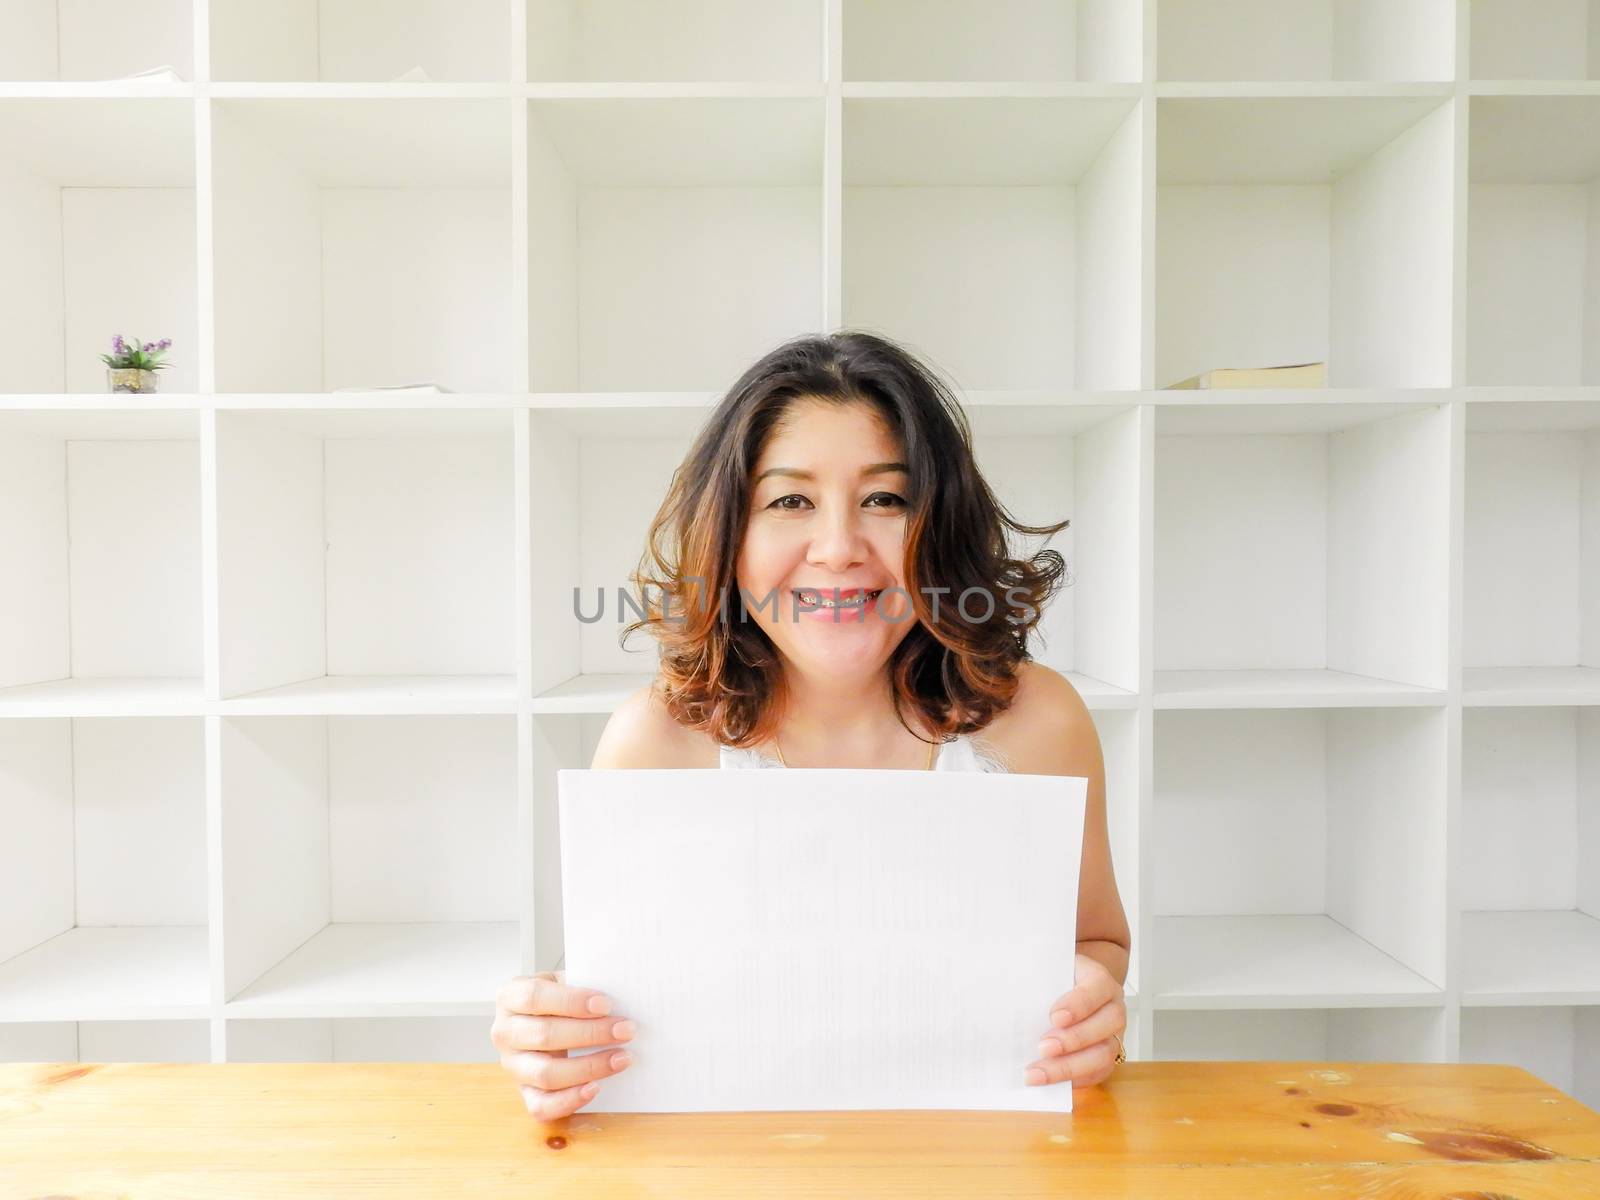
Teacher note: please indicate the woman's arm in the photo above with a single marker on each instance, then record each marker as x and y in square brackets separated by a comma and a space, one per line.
[1083, 1042]
[1055, 735]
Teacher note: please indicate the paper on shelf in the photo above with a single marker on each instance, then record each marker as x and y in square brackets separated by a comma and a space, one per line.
[425, 387]
[811, 939]
[162, 74]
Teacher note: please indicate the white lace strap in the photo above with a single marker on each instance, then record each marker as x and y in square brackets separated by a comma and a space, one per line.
[744, 758]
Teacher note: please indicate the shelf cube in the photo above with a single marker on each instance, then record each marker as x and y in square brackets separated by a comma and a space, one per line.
[1530, 866]
[1531, 599]
[366, 560]
[680, 41]
[97, 238]
[1310, 1036]
[561, 740]
[596, 479]
[368, 864]
[354, 1039]
[102, 869]
[100, 548]
[652, 222]
[1301, 554]
[998, 237]
[1535, 39]
[1298, 858]
[1305, 229]
[1306, 39]
[992, 40]
[362, 243]
[361, 41]
[1560, 1045]
[150, 1041]
[1081, 464]
[1533, 253]
[68, 40]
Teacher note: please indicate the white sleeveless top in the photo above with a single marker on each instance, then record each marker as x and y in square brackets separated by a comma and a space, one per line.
[961, 753]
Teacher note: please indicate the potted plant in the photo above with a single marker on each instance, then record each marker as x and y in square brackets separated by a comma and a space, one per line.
[131, 367]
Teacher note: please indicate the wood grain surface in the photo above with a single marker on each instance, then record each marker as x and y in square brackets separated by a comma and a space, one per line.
[1192, 1130]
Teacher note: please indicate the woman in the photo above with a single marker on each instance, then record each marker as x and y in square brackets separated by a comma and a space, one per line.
[838, 592]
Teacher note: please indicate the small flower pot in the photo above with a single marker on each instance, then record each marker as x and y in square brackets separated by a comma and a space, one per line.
[131, 379]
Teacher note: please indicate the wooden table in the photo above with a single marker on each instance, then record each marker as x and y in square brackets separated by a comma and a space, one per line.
[1192, 1130]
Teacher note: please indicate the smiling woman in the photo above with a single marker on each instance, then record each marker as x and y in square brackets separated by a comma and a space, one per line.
[838, 465]
[830, 575]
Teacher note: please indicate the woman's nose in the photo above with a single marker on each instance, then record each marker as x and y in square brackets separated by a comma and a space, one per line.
[836, 541]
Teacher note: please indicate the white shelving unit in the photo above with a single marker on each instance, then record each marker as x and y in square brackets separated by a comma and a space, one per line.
[288, 665]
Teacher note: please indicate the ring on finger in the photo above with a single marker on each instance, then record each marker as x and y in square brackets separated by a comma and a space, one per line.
[1122, 1054]
[1098, 1027]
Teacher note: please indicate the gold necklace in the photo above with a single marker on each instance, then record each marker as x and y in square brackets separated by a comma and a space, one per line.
[933, 749]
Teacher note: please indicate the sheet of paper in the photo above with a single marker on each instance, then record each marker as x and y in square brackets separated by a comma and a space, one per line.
[804, 939]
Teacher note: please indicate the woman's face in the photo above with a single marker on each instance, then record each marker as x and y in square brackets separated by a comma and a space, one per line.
[828, 510]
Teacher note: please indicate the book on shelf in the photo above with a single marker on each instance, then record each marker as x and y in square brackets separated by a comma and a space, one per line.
[1307, 375]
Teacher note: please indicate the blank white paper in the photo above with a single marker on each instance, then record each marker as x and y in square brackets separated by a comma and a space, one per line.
[813, 938]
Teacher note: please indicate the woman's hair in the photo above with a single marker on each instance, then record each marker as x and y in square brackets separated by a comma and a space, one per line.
[719, 671]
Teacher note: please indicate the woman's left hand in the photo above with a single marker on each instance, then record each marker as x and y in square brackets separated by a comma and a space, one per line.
[1080, 1045]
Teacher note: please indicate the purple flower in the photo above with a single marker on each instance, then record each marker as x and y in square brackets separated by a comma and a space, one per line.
[119, 345]
[163, 343]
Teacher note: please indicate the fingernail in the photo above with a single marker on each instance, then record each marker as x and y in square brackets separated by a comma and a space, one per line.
[623, 1030]
[1061, 1018]
[620, 1059]
[588, 1090]
[527, 1098]
[1034, 1075]
[600, 1005]
[1049, 1047]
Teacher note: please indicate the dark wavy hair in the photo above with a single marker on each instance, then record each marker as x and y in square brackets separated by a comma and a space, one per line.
[719, 671]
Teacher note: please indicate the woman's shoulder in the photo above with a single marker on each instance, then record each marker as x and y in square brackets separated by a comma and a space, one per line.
[1047, 730]
[642, 734]
[1048, 727]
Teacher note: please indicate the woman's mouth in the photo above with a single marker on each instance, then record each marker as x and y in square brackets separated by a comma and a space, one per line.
[835, 603]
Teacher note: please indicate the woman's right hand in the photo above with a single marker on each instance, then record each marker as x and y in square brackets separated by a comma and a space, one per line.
[537, 1019]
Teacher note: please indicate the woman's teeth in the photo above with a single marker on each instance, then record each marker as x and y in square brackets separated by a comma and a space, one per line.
[854, 601]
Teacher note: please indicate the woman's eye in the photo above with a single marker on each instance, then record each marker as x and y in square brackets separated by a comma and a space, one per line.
[877, 500]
